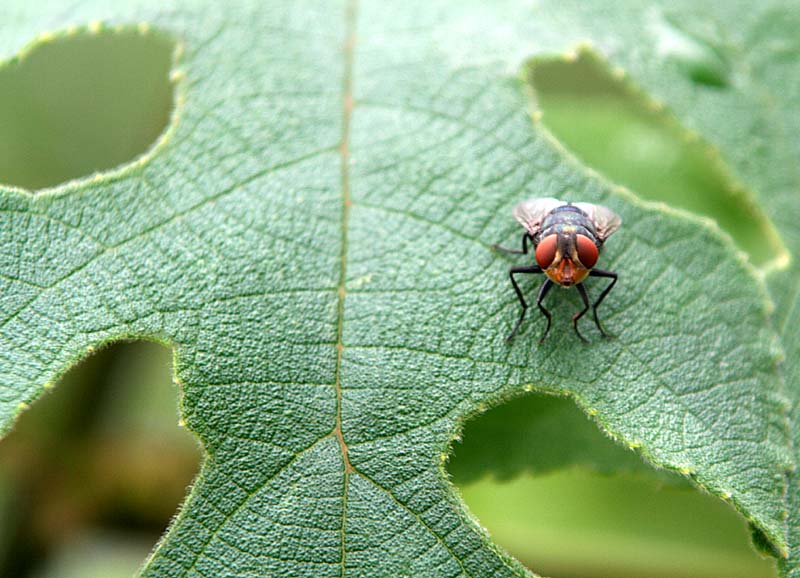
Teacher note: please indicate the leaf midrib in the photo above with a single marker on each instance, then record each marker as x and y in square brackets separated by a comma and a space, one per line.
[344, 162]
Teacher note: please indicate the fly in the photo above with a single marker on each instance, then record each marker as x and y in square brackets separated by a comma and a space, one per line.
[567, 239]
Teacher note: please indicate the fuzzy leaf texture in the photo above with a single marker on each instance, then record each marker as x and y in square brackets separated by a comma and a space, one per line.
[313, 238]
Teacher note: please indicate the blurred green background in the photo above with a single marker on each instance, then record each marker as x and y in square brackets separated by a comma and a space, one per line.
[92, 474]
[81, 104]
[94, 471]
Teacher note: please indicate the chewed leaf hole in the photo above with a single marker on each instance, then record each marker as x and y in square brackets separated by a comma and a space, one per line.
[81, 102]
[569, 502]
[94, 471]
[622, 134]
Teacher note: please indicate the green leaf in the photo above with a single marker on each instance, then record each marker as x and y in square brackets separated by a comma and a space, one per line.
[313, 238]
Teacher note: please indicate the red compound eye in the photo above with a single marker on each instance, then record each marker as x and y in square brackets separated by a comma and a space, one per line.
[587, 251]
[546, 251]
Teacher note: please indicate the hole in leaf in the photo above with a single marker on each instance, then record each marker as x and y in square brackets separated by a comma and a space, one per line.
[623, 135]
[82, 102]
[569, 502]
[93, 473]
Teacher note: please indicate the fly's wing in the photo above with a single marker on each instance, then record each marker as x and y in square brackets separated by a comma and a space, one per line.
[605, 220]
[532, 212]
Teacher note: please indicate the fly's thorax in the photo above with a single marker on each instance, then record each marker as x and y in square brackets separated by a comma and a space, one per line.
[568, 220]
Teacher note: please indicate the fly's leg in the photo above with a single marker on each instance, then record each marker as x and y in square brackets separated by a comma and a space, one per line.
[613, 277]
[582, 292]
[530, 270]
[542, 292]
[524, 251]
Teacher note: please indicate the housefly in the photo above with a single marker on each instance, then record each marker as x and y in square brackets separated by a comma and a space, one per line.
[567, 239]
